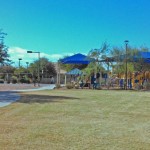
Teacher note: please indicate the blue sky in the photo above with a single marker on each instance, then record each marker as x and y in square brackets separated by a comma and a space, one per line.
[60, 27]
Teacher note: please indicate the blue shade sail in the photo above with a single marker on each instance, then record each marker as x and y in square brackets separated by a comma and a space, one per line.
[76, 59]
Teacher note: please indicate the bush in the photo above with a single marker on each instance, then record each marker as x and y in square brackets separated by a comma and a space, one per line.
[1, 81]
[14, 79]
[24, 80]
[8, 82]
[76, 86]
[147, 86]
[69, 86]
[99, 88]
[1, 76]
[57, 86]
[138, 86]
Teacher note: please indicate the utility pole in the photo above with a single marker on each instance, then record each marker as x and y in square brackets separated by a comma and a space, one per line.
[126, 73]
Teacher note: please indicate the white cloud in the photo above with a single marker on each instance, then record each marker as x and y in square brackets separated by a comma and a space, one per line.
[17, 52]
[14, 50]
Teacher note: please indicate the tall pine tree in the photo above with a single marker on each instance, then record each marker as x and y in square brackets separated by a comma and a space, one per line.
[4, 57]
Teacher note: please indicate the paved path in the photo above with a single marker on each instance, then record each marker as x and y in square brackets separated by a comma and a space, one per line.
[9, 93]
[42, 87]
[8, 97]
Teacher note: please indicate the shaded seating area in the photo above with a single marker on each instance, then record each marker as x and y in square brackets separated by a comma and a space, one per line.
[74, 73]
[75, 78]
[77, 59]
[85, 83]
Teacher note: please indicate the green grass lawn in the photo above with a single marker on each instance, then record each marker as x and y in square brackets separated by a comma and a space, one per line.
[77, 120]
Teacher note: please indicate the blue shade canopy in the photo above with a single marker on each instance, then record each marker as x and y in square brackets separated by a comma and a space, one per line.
[75, 71]
[140, 56]
[145, 56]
[76, 59]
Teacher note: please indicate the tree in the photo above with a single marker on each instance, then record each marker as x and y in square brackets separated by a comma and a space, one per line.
[51, 71]
[119, 55]
[20, 70]
[116, 53]
[7, 69]
[3, 49]
[92, 67]
[47, 68]
[98, 55]
[140, 65]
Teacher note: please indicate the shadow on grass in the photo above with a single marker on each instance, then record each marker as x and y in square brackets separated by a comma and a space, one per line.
[43, 99]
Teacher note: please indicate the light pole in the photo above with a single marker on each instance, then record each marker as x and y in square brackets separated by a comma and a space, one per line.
[38, 64]
[126, 44]
[19, 67]
[19, 61]
[27, 66]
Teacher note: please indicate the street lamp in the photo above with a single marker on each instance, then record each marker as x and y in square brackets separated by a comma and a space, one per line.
[27, 64]
[38, 64]
[19, 61]
[19, 67]
[126, 44]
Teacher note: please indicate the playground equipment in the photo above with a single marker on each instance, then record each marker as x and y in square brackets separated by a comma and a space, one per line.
[134, 79]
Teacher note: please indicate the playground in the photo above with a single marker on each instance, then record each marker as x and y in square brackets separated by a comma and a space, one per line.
[118, 72]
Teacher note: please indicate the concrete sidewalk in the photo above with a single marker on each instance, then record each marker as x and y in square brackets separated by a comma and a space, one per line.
[41, 87]
[8, 97]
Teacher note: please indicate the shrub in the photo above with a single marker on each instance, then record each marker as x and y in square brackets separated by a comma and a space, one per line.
[76, 86]
[147, 86]
[14, 79]
[8, 81]
[1, 81]
[57, 86]
[138, 86]
[24, 80]
[1, 76]
[99, 88]
[69, 86]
